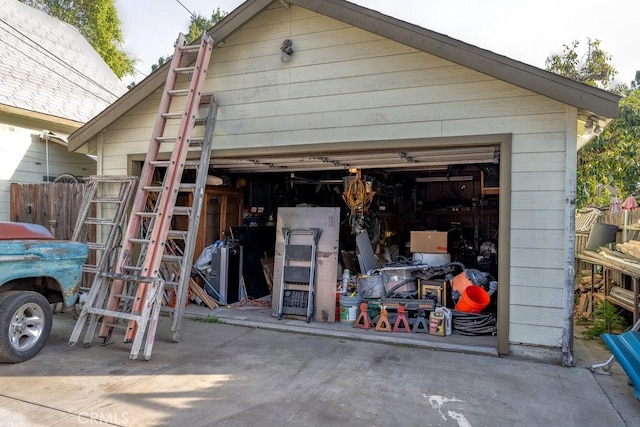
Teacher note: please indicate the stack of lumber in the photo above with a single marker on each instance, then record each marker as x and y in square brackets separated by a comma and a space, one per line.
[590, 291]
[585, 284]
[204, 297]
[195, 292]
[632, 248]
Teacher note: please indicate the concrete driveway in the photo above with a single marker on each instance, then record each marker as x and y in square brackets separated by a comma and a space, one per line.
[225, 375]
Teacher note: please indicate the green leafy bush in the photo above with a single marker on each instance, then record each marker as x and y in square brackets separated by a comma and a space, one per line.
[606, 318]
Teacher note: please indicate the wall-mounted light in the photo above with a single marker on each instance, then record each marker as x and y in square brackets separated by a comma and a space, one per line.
[597, 130]
[588, 126]
[287, 50]
[592, 126]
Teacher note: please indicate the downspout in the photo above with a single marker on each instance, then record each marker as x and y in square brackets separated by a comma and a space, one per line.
[100, 153]
[46, 153]
[571, 164]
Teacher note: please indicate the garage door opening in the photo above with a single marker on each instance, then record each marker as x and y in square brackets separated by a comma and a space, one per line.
[450, 193]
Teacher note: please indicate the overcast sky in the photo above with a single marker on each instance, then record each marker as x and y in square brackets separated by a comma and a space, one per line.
[527, 31]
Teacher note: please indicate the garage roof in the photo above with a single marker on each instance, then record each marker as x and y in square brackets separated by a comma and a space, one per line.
[589, 100]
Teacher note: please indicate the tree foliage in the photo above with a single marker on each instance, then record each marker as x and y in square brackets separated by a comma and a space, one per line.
[611, 158]
[161, 61]
[592, 68]
[98, 22]
[198, 26]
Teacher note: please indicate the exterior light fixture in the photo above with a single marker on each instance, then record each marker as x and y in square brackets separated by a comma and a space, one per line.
[287, 50]
[592, 126]
[588, 126]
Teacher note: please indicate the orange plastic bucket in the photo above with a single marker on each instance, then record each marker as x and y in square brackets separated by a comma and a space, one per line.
[474, 299]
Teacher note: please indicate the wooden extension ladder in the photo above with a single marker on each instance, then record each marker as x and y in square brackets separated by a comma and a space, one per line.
[157, 248]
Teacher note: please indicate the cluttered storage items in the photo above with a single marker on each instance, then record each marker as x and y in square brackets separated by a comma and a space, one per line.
[426, 294]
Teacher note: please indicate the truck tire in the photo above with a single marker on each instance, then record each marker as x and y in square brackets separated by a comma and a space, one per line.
[25, 325]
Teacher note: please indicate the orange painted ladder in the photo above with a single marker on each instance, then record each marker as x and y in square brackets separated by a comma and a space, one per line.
[160, 220]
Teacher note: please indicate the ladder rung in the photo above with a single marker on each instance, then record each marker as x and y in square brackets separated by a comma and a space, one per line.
[152, 188]
[191, 163]
[140, 241]
[179, 92]
[171, 284]
[166, 163]
[146, 214]
[99, 221]
[96, 246]
[172, 258]
[89, 268]
[189, 48]
[185, 186]
[177, 234]
[131, 268]
[107, 199]
[175, 116]
[123, 296]
[127, 277]
[166, 138]
[196, 141]
[207, 99]
[184, 70]
[182, 210]
[116, 314]
[161, 162]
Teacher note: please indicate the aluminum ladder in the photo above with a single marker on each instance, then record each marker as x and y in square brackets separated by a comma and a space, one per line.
[297, 287]
[101, 220]
[157, 248]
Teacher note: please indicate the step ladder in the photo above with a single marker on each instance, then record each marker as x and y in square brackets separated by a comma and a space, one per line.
[157, 248]
[101, 221]
[297, 287]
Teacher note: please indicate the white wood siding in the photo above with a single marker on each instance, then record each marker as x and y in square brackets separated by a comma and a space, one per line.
[23, 159]
[344, 84]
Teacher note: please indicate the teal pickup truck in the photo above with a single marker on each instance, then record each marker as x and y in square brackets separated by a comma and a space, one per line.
[35, 271]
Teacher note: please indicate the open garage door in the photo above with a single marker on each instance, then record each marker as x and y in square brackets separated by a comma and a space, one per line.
[451, 188]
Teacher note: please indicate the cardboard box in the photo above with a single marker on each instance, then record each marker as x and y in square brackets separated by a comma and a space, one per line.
[434, 242]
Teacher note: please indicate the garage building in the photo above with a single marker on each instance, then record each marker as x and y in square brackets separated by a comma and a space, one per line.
[451, 137]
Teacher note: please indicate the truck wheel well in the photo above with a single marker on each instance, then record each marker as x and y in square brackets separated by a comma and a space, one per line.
[46, 286]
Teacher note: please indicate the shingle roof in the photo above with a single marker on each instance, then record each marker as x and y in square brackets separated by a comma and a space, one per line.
[48, 67]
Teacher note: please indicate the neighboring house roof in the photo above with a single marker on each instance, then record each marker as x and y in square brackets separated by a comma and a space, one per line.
[588, 99]
[48, 67]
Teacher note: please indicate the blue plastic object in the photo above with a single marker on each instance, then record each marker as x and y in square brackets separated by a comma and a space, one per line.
[626, 350]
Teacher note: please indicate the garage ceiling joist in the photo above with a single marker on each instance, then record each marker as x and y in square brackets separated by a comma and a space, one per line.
[415, 159]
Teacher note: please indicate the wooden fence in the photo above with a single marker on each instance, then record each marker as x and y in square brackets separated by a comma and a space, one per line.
[54, 206]
[632, 227]
[632, 231]
[618, 218]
